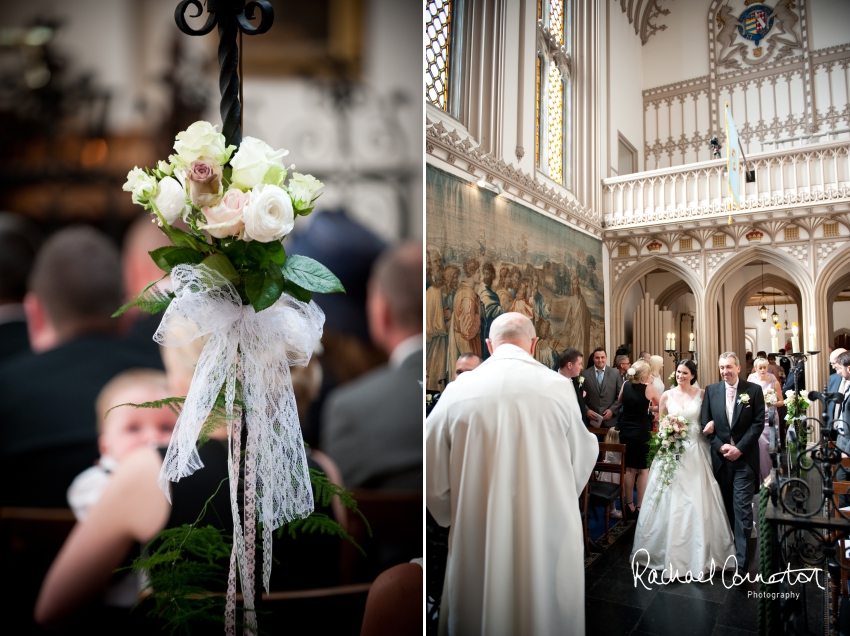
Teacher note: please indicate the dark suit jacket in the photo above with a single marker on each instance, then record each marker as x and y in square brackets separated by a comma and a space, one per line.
[834, 383]
[746, 426]
[14, 339]
[48, 426]
[600, 399]
[581, 402]
[372, 427]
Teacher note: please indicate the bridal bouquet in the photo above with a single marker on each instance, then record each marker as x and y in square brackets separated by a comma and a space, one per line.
[770, 397]
[233, 281]
[667, 445]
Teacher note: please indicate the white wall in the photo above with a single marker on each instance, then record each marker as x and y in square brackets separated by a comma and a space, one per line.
[626, 85]
[829, 22]
[680, 52]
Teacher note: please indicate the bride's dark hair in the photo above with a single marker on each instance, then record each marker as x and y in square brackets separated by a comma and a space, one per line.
[691, 367]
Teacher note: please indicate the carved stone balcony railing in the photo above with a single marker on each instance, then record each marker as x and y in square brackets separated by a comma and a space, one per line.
[810, 176]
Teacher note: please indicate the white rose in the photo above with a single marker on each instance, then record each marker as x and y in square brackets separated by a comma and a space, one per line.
[140, 184]
[303, 188]
[269, 215]
[201, 139]
[164, 167]
[665, 444]
[253, 160]
[171, 200]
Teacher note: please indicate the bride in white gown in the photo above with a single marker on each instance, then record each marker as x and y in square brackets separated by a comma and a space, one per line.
[684, 526]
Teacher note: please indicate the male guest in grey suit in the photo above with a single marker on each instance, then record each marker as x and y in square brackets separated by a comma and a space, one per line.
[733, 419]
[372, 427]
[602, 385]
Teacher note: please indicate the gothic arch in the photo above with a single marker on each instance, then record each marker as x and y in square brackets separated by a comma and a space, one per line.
[746, 292]
[829, 283]
[666, 298]
[797, 275]
[637, 271]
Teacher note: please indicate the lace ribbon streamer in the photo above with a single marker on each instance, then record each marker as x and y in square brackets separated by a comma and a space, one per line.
[262, 346]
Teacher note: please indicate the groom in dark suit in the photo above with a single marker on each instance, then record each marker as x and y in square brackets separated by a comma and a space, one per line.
[733, 417]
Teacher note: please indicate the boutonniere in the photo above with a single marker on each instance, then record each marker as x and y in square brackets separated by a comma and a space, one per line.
[580, 380]
[744, 398]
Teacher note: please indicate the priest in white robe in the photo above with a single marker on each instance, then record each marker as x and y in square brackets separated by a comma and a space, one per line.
[507, 458]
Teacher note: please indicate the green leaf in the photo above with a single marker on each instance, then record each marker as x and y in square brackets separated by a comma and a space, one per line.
[235, 250]
[166, 258]
[184, 239]
[311, 275]
[220, 263]
[256, 252]
[275, 252]
[298, 293]
[227, 177]
[264, 287]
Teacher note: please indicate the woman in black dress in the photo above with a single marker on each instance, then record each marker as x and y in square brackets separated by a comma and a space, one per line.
[636, 427]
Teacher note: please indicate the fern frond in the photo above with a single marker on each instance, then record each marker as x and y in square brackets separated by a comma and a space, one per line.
[326, 490]
[150, 300]
[321, 523]
[174, 404]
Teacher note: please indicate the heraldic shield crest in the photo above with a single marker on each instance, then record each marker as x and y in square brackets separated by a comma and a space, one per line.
[755, 22]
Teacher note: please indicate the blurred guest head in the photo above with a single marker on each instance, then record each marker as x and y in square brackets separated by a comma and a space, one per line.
[656, 365]
[139, 268]
[124, 429]
[74, 288]
[395, 296]
[622, 363]
[467, 362]
[19, 242]
[645, 355]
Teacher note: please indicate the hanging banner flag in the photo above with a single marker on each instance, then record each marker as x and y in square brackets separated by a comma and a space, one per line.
[733, 162]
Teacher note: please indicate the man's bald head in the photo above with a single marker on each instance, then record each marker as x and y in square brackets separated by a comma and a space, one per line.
[512, 328]
[834, 355]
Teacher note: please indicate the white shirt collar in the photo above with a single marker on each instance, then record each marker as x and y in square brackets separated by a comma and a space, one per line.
[405, 349]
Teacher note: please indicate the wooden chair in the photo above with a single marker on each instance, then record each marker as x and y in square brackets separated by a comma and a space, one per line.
[30, 538]
[605, 491]
[599, 432]
[397, 520]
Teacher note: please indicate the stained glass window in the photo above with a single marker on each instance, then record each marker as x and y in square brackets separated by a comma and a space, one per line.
[552, 96]
[556, 124]
[438, 24]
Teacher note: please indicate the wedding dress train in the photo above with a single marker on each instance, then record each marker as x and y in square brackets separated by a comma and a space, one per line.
[684, 526]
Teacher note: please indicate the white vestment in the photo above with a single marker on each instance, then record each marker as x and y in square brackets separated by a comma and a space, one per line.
[507, 458]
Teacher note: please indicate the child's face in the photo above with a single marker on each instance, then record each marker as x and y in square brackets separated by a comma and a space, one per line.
[127, 428]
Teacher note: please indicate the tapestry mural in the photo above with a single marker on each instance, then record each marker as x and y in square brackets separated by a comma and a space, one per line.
[487, 255]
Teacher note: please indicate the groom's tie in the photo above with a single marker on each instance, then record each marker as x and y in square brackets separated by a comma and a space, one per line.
[730, 404]
[599, 375]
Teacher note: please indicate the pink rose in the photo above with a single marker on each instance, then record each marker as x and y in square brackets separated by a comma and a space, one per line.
[204, 183]
[225, 219]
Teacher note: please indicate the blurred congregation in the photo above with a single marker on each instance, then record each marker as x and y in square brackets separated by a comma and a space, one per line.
[89, 91]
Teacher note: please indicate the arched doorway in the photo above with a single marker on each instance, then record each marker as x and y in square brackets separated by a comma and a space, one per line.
[673, 280]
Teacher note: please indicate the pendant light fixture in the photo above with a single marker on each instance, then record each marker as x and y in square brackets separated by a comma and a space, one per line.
[762, 309]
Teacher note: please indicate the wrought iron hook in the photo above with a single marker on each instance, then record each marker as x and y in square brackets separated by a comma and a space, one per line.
[231, 17]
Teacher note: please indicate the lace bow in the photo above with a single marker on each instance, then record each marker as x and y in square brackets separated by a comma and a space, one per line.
[262, 346]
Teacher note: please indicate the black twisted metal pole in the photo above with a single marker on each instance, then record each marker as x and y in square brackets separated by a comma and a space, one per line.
[232, 17]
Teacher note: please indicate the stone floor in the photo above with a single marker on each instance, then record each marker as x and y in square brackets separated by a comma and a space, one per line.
[615, 604]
